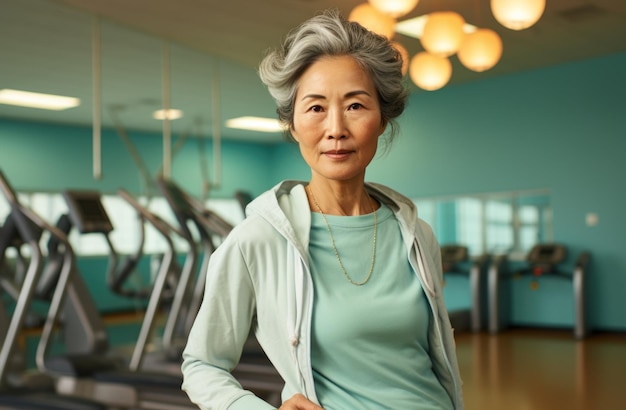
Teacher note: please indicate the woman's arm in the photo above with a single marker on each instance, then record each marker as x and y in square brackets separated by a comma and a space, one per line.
[219, 333]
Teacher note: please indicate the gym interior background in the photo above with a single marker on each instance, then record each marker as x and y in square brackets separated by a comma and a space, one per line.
[559, 131]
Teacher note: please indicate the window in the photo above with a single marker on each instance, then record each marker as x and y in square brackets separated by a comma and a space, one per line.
[509, 222]
[126, 235]
[499, 226]
[470, 223]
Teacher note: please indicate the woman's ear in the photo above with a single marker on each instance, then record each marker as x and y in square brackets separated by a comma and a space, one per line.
[383, 126]
[293, 133]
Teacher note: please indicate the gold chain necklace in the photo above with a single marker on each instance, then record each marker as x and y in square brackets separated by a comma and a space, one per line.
[332, 241]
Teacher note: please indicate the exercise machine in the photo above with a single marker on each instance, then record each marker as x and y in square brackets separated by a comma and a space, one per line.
[203, 230]
[21, 390]
[543, 260]
[254, 371]
[456, 261]
[89, 216]
[85, 376]
[89, 368]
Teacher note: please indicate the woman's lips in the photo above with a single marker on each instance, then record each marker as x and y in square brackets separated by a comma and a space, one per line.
[338, 154]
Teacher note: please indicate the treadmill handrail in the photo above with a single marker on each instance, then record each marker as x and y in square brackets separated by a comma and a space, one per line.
[188, 268]
[188, 209]
[161, 279]
[68, 268]
[30, 278]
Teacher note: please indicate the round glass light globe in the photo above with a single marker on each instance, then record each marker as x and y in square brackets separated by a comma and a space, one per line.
[372, 19]
[517, 14]
[394, 8]
[480, 50]
[430, 72]
[443, 33]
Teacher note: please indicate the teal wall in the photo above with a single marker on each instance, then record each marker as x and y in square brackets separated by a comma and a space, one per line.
[49, 157]
[561, 128]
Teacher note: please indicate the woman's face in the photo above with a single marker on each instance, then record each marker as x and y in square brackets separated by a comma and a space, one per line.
[337, 119]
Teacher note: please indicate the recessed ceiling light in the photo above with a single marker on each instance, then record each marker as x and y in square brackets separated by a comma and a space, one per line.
[171, 114]
[414, 27]
[255, 124]
[37, 100]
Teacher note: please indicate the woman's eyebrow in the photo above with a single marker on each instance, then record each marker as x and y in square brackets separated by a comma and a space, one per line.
[347, 95]
[357, 92]
[313, 96]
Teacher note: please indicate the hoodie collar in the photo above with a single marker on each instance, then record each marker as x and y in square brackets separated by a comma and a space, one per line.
[285, 206]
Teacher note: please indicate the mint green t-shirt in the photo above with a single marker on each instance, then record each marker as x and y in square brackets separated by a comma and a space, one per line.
[369, 345]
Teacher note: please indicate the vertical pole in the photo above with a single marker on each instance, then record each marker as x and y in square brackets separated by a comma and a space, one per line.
[97, 98]
[217, 128]
[167, 133]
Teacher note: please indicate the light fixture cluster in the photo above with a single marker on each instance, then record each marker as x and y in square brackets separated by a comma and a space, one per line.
[445, 33]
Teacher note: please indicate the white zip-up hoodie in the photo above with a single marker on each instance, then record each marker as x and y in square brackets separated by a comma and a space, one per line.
[259, 279]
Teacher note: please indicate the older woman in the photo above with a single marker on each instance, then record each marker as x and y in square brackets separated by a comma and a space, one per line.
[338, 278]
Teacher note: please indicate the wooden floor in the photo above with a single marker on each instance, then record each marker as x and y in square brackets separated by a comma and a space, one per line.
[530, 369]
[523, 369]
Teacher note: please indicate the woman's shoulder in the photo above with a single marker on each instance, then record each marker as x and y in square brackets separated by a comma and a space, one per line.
[252, 229]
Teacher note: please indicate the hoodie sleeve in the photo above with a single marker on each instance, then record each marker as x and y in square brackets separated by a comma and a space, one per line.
[452, 379]
[434, 250]
[219, 333]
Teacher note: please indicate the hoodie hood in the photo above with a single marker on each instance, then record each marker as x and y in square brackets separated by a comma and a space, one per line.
[282, 208]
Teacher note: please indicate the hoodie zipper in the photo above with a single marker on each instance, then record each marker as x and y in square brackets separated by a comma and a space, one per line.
[296, 321]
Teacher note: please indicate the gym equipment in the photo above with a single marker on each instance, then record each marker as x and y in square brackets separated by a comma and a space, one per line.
[455, 260]
[210, 228]
[544, 259]
[89, 368]
[30, 391]
[83, 328]
[168, 265]
[89, 216]
[254, 371]
[11, 281]
[89, 375]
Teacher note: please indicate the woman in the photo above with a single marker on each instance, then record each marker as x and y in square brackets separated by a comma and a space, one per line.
[338, 278]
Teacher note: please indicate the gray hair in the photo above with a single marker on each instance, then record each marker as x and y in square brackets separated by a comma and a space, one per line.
[328, 34]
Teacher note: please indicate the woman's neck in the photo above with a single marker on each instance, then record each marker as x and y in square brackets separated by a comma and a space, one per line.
[340, 199]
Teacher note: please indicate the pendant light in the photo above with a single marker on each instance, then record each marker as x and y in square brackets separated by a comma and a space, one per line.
[394, 8]
[429, 71]
[443, 33]
[517, 14]
[369, 17]
[480, 50]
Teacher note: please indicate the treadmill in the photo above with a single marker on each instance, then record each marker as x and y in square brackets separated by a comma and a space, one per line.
[542, 260]
[456, 261]
[88, 215]
[255, 372]
[88, 368]
[24, 227]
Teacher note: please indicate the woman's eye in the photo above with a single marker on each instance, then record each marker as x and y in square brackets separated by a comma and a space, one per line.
[355, 106]
[316, 108]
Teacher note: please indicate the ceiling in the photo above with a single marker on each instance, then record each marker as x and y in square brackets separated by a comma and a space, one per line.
[212, 49]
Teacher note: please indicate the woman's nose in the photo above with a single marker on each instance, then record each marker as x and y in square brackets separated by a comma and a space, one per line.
[336, 126]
